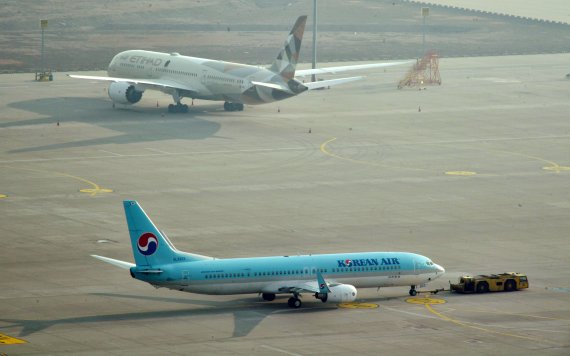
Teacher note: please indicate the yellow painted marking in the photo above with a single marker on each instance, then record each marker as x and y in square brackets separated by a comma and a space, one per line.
[556, 168]
[355, 305]
[513, 314]
[461, 173]
[2, 196]
[328, 153]
[334, 155]
[446, 318]
[91, 191]
[8, 340]
[425, 300]
[553, 166]
[94, 190]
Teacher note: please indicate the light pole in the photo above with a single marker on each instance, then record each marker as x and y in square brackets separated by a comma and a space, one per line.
[314, 77]
[43, 25]
[425, 13]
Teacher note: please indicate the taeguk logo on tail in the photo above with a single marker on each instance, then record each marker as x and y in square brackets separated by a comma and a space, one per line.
[147, 243]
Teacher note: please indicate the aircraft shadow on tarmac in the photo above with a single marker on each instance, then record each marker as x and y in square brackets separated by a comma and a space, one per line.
[136, 124]
[247, 313]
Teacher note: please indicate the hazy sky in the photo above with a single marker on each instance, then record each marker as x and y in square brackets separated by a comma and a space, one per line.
[555, 10]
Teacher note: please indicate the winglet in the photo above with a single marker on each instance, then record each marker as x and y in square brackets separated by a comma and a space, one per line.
[323, 287]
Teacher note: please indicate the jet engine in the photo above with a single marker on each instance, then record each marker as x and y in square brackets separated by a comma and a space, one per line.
[124, 93]
[338, 294]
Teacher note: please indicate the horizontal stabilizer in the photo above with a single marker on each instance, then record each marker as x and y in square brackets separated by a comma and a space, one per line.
[118, 263]
[334, 70]
[329, 83]
[271, 86]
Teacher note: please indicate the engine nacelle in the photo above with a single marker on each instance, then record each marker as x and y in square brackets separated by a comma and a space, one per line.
[124, 93]
[339, 294]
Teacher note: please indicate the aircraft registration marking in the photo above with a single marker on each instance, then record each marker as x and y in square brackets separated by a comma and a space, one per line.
[8, 340]
[355, 305]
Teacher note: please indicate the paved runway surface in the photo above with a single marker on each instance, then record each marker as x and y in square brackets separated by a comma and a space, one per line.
[474, 174]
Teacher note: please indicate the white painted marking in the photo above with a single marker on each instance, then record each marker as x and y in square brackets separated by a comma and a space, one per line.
[410, 313]
[116, 155]
[279, 350]
[113, 153]
[159, 151]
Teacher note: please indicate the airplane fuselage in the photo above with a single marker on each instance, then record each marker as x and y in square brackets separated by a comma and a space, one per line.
[205, 79]
[273, 274]
[132, 72]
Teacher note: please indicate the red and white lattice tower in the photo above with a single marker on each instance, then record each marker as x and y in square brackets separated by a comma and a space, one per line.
[424, 72]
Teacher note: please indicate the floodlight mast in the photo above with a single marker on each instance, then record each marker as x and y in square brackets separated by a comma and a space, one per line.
[314, 77]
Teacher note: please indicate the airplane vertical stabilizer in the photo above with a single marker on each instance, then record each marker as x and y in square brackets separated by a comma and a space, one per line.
[150, 246]
[287, 58]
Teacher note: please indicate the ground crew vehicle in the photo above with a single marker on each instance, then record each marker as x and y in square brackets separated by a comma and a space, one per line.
[508, 282]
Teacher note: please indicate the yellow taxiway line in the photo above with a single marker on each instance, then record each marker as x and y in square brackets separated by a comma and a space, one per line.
[94, 190]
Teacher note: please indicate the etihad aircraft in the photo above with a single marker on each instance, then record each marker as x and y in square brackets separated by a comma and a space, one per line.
[331, 278]
[134, 71]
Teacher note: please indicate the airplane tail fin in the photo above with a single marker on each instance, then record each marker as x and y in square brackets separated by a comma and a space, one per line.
[286, 60]
[150, 246]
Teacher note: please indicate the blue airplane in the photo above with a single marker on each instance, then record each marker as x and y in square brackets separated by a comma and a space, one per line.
[331, 278]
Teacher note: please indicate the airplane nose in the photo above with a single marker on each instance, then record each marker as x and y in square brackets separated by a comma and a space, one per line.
[440, 269]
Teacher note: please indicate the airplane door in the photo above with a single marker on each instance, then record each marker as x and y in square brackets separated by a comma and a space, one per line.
[204, 78]
[417, 267]
[186, 275]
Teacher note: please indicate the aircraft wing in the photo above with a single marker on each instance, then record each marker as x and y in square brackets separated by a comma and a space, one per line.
[334, 70]
[271, 86]
[297, 287]
[329, 83]
[158, 84]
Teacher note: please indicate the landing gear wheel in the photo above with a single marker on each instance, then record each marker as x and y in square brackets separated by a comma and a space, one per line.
[294, 302]
[413, 291]
[178, 108]
[233, 106]
[268, 296]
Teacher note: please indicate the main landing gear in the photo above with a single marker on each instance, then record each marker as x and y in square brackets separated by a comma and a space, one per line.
[178, 108]
[268, 296]
[413, 291]
[294, 302]
[233, 106]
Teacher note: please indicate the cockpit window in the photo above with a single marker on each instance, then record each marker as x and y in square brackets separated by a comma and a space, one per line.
[429, 263]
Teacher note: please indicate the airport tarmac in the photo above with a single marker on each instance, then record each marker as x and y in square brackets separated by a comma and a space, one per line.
[474, 173]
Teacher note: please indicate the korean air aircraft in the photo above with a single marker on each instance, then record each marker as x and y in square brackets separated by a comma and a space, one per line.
[331, 278]
[134, 71]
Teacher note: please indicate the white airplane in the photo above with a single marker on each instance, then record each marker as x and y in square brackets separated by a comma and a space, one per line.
[134, 71]
[331, 278]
